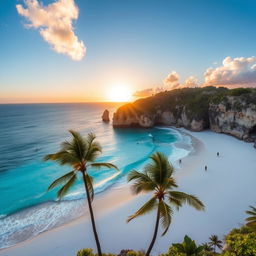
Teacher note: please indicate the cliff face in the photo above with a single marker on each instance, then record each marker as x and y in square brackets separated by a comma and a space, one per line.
[222, 110]
[234, 116]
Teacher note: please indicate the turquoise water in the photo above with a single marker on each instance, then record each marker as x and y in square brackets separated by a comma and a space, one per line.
[28, 132]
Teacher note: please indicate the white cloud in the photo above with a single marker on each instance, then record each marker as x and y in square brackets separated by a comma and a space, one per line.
[54, 23]
[172, 80]
[234, 72]
[148, 92]
[191, 81]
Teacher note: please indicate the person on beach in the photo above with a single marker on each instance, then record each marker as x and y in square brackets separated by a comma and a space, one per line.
[180, 161]
[205, 168]
[218, 154]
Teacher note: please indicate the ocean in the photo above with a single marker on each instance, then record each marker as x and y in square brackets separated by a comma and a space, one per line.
[30, 131]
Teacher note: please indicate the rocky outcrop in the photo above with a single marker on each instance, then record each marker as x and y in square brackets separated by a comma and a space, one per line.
[226, 111]
[105, 116]
[161, 118]
[234, 116]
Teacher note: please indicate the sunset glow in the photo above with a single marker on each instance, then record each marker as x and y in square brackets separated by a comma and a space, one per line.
[119, 93]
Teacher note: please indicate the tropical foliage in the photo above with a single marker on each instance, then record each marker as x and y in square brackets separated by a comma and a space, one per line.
[215, 242]
[80, 154]
[157, 177]
[188, 247]
[251, 220]
[240, 242]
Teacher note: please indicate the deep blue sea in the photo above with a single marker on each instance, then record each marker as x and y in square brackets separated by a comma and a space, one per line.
[30, 131]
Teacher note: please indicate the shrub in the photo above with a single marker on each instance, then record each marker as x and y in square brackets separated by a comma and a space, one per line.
[85, 252]
[240, 242]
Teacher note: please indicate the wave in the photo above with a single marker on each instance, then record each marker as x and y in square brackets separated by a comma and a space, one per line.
[32, 221]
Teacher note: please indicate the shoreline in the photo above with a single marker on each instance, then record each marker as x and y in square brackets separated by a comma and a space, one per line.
[80, 205]
[123, 191]
[116, 205]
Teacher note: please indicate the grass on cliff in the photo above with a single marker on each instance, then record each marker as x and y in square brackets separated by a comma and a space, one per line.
[195, 101]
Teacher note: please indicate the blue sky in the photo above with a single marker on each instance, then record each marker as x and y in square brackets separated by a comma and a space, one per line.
[129, 41]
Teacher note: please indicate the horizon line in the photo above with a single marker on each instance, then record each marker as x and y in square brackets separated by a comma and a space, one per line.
[64, 102]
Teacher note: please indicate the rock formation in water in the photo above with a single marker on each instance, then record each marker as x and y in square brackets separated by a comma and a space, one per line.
[220, 109]
[105, 116]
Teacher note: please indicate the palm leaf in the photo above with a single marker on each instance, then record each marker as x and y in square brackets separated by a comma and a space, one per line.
[142, 182]
[108, 165]
[79, 146]
[165, 215]
[93, 148]
[160, 169]
[62, 157]
[186, 198]
[61, 180]
[175, 202]
[147, 207]
[63, 191]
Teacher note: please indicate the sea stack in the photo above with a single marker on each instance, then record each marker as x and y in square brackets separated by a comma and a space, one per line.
[105, 116]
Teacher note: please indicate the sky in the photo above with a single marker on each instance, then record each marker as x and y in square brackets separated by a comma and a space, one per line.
[88, 50]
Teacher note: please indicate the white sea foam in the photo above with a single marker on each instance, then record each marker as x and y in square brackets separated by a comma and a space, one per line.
[32, 221]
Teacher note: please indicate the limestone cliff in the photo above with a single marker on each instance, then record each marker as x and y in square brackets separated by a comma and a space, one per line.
[222, 110]
[235, 116]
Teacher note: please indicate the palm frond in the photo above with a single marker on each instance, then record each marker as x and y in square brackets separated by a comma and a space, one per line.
[170, 183]
[175, 202]
[62, 157]
[186, 198]
[165, 215]
[79, 146]
[160, 169]
[214, 241]
[61, 180]
[251, 220]
[63, 191]
[108, 165]
[146, 208]
[93, 148]
[142, 182]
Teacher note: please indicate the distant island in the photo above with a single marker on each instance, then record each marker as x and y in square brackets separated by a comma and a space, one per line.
[230, 111]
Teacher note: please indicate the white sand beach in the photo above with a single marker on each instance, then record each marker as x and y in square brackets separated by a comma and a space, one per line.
[226, 189]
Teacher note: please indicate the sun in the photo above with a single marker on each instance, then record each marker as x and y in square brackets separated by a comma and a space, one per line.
[119, 93]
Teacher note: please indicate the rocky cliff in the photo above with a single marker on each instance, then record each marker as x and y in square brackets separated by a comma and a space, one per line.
[222, 110]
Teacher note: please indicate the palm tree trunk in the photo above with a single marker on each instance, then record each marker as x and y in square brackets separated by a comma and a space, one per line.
[155, 234]
[92, 216]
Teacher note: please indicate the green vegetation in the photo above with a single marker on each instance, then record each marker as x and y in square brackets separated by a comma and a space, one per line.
[215, 242]
[194, 101]
[251, 220]
[240, 242]
[188, 247]
[158, 177]
[80, 154]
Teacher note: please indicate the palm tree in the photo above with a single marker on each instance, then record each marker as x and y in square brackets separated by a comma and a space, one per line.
[251, 220]
[207, 249]
[189, 247]
[158, 177]
[80, 154]
[215, 242]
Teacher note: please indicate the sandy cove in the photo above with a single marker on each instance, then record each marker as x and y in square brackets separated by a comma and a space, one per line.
[226, 188]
